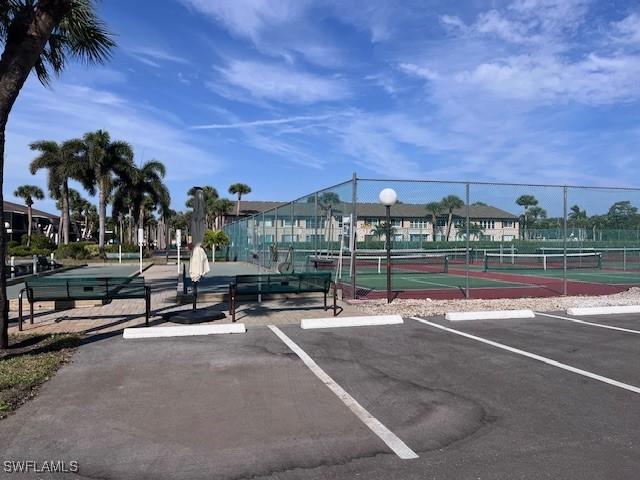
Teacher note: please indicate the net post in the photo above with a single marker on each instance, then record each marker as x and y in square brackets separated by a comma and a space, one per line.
[564, 240]
[466, 256]
[353, 233]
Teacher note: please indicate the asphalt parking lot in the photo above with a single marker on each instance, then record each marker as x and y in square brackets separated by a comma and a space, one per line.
[529, 398]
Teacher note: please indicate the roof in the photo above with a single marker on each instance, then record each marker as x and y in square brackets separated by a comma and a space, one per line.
[22, 209]
[402, 210]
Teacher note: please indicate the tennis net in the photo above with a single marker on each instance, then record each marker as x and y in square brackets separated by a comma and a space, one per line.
[538, 261]
[377, 264]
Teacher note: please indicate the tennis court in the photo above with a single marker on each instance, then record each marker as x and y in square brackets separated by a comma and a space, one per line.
[446, 275]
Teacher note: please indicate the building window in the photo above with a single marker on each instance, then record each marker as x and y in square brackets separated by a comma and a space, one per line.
[396, 222]
[267, 239]
[418, 223]
[289, 238]
[371, 221]
[488, 224]
[313, 238]
[508, 224]
[267, 222]
[315, 222]
[288, 222]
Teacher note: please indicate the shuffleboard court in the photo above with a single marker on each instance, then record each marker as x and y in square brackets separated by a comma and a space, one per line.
[101, 271]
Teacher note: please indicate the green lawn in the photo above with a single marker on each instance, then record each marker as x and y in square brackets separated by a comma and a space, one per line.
[29, 361]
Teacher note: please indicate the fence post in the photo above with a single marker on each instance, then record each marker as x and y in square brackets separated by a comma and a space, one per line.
[315, 222]
[466, 256]
[354, 233]
[564, 241]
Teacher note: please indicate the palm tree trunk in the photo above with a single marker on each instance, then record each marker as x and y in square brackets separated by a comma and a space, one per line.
[25, 41]
[238, 206]
[4, 301]
[433, 226]
[65, 208]
[102, 215]
[449, 220]
[30, 220]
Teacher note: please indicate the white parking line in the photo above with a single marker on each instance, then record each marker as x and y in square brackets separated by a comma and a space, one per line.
[533, 356]
[609, 327]
[386, 435]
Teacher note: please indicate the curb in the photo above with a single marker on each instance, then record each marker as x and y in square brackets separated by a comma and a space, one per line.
[489, 315]
[333, 322]
[183, 331]
[577, 311]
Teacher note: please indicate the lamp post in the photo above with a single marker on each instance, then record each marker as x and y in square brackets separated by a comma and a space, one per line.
[388, 197]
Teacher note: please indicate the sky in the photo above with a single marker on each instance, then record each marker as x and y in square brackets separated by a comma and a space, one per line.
[291, 96]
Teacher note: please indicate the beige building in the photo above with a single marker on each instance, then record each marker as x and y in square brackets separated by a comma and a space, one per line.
[279, 222]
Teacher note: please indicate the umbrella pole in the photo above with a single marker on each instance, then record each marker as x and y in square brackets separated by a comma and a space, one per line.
[195, 294]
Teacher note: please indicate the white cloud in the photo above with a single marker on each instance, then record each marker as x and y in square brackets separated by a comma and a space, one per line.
[282, 83]
[592, 80]
[421, 72]
[153, 56]
[71, 110]
[627, 30]
[262, 123]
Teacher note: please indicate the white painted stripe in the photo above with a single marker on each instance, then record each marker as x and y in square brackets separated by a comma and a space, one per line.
[609, 327]
[533, 356]
[489, 315]
[333, 322]
[603, 310]
[183, 331]
[386, 435]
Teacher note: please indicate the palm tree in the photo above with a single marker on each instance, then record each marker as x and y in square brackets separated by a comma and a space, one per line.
[327, 202]
[221, 208]
[62, 162]
[40, 36]
[449, 204]
[381, 230]
[577, 216]
[28, 193]
[146, 189]
[434, 209]
[534, 214]
[239, 189]
[104, 160]
[526, 201]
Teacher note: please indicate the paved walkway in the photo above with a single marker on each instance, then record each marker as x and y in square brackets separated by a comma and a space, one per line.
[162, 279]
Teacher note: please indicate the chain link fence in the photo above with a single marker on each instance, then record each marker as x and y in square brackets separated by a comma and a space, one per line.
[452, 239]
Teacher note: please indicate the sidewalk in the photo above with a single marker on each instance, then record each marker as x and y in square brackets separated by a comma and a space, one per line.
[162, 279]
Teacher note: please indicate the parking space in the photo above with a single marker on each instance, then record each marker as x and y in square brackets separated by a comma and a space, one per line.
[471, 399]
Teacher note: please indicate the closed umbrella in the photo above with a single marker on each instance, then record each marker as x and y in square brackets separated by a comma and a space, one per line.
[198, 263]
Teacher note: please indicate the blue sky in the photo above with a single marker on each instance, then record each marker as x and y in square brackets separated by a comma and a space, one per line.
[291, 96]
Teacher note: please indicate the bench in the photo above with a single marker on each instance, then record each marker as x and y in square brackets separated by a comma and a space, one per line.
[265, 284]
[51, 289]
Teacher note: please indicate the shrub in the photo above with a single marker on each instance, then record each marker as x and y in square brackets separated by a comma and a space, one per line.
[126, 248]
[12, 244]
[19, 251]
[77, 251]
[40, 241]
[93, 249]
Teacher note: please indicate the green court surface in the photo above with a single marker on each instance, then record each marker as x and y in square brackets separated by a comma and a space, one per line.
[424, 281]
[610, 277]
[108, 270]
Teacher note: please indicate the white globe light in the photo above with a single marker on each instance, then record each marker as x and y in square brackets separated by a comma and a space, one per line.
[388, 197]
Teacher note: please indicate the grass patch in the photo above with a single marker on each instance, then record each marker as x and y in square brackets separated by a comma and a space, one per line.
[30, 361]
